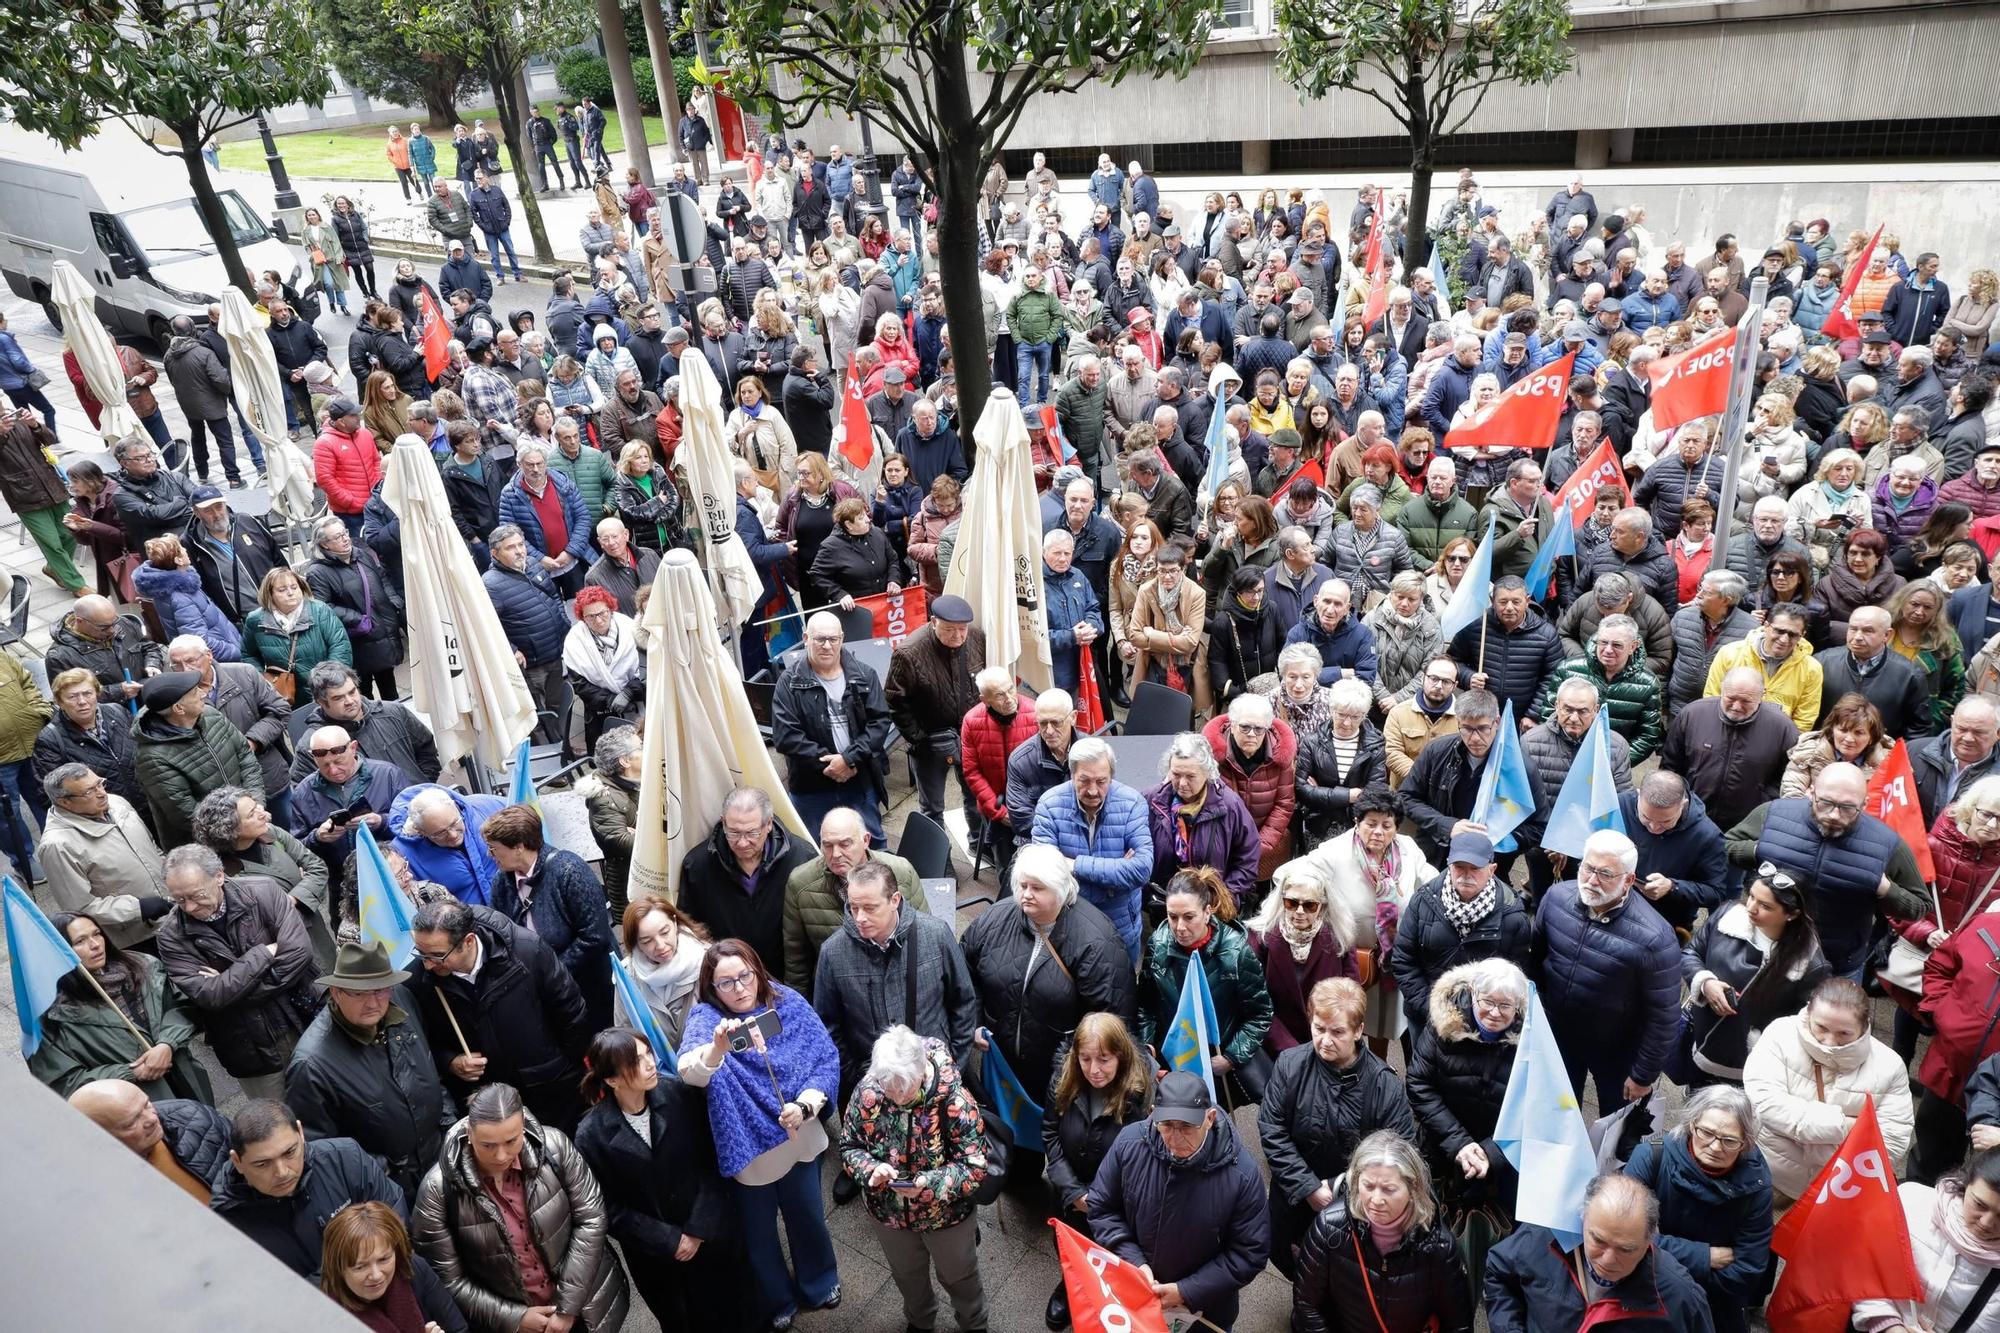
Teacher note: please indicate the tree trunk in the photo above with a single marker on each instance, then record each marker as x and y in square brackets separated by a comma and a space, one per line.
[1423, 155]
[440, 107]
[625, 88]
[209, 205]
[509, 116]
[957, 180]
[660, 49]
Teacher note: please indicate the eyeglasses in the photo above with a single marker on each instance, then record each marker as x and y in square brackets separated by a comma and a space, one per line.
[825, 638]
[1775, 877]
[741, 981]
[1729, 1142]
[1305, 905]
[1442, 680]
[438, 957]
[1602, 874]
[91, 790]
[1253, 728]
[1842, 807]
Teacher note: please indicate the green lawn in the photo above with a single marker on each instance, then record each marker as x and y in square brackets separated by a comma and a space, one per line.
[357, 153]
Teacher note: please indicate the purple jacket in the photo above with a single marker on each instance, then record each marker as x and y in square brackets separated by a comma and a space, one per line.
[1900, 527]
[1222, 835]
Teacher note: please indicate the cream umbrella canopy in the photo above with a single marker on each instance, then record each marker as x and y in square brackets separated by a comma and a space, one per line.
[260, 395]
[997, 564]
[463, 675]
[711, 474]
[701, 739]
[96, 354]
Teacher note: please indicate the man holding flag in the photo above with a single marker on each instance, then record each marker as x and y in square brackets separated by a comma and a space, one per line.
[1580, 766]
[1178, 1198]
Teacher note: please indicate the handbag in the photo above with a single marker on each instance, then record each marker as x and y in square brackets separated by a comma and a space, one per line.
[1903, 969]
[38, 379]
[284, 680]
[318, 256]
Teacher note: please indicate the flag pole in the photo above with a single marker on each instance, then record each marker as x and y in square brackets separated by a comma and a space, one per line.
[1742, 380]
[146, 1043]
[1482, 645]
[456, 1030]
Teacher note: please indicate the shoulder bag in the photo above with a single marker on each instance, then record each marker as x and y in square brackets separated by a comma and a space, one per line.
[285, 681]
[1904, 967]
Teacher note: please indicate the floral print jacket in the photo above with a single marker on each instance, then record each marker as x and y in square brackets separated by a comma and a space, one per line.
[937, 1143]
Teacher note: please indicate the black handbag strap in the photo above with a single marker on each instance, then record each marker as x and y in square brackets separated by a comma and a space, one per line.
[1977, 1304]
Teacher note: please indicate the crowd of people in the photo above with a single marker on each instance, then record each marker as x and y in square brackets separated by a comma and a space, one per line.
[488, 1137]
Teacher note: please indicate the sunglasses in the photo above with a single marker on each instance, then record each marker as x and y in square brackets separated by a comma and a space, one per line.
[1302, 905]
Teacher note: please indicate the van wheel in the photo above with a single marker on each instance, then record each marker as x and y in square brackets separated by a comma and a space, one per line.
[157, 330]
[51, 314]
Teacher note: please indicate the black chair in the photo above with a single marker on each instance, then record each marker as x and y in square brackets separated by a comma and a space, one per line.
[14, 621]
[1158, 710]
[926, 846]
[857, 624]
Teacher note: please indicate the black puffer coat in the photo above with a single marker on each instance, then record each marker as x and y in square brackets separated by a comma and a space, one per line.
[523, 1012]
[109, 750]
[1518, 661]
[1439, 790]
[1030, 1013]
[1428, 946]
[198, 1137]
[1418, 1285]
[126, 655]
[531, 612]
[1074, 1143]
[1312, 1118]
[337, 1172]
[383, 1094]
[1652, 567]
[340, 584]
[1323, 786]
[1456, 1080]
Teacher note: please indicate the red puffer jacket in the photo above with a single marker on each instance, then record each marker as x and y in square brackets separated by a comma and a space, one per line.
[1963, 868]
[983, 749]
[1267, 789]
[346, 467]
[1962, 997]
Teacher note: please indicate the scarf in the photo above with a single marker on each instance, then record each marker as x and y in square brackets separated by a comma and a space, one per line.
[1308, 718]
[396, 1312]
[1135, 570]
[1840, 499]
[667, 985]
[1948, 1215]
[1388, 1236]
[1465, 915]
[1384, 876]
[584, 653]
[742, 1105]
[1300, 942]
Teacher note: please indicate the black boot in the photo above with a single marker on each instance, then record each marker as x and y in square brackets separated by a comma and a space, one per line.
[1057, 1315]
[845, 1190]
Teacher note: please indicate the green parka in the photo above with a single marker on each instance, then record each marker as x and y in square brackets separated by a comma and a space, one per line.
[1235, 980]
[83, 1041]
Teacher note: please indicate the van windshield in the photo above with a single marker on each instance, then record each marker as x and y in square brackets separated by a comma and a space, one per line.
[170, 230]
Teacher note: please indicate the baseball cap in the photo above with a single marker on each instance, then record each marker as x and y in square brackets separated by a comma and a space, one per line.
[456, 244]
[1471, 849]
[1517, 340]
[208, 495]
[1182, 1097]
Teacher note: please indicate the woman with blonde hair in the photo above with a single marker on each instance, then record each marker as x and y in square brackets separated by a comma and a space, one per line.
[1441, 583]
[1833, 504]
[1774, 454]
[1971, 317]
[367, 1268]
[759, 435]
[1920, 630]
[1380, 1256]
[1303, 934]
[839, 313]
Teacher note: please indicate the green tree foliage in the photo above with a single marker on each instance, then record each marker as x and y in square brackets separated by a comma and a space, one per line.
[372, 47]
[190, 68]
[581, 74]
[1429, 63]
[950, 79]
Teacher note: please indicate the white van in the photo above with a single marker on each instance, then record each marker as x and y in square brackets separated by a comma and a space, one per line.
[134, 235]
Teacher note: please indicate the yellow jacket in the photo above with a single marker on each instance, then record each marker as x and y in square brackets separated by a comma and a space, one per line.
[1795, 688]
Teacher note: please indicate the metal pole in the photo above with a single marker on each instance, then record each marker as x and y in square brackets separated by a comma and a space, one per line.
[1729, 435]
[868, 168]
[286, 197]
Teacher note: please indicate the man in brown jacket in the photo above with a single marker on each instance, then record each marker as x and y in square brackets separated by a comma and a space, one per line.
[1417, 721]
[929, 691]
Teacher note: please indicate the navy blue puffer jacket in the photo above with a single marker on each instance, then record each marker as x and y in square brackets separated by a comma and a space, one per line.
[531, 612]
[1699, 1211]
[1611, 987]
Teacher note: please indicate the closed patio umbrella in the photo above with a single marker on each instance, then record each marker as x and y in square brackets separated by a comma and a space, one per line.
[711, 474]
[96, 354]
[701, 739]
[463, 675]
[997, 564]
[260, 396]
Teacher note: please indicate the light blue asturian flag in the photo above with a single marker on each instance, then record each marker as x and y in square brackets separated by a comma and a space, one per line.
[1005, 1093]
[1506, 793]
[1218, 454]
[1588, 800]
[40, 957]
[1436, 267]
[1541, 1132]
[1555, 546]
[638, 1015]
[1195, 1033]
[522, 790]
[1475, 590]
[383, 912]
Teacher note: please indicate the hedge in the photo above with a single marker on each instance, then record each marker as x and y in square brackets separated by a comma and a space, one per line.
[581, 74]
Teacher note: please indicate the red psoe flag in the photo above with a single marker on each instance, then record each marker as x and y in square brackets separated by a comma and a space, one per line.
[1106, 1294]
[1089, 701]
[436, 335]
[1845, 1240]
[1892, 798]
[898, 615]
[1377, 268]
[1578, 495]
[1693, 384]
[857, 440]
[1839, 323]
[1524, 416]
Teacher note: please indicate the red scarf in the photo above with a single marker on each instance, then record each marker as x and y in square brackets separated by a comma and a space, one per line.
[396, 1312]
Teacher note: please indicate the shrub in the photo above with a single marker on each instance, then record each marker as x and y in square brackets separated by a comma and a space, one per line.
[580, 74]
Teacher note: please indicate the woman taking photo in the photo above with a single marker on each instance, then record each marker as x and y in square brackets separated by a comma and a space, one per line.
[84, 1039]
[1859, 576]
[1373, 869]
[1380, 1258]
[291, 632]
[1955, 1239]
[1302, 935]
[1920, 631]
[1338, 763]
[1751, 963]
[854, 561]
[1040, 961]
[765, 1101]
[665, 948]
[367, 1268]
[1194, 929]
[1808, 1077]
[1103, 1082]
[1831, 505]
[1324, 1097]
[1457, 1081]
[1852, 734]
[1714, 1196]
[669, 1210]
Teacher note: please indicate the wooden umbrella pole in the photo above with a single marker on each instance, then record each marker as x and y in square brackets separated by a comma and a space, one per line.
[1482, 645]
[146, 1043]
[456, 1030]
